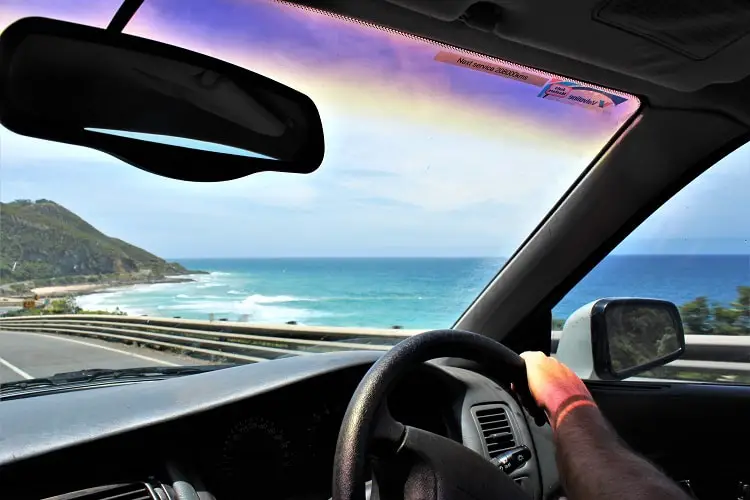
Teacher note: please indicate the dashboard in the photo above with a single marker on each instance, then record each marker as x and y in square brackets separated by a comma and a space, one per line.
[266, 430]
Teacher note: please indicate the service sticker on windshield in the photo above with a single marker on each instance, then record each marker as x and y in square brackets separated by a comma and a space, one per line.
[492, 68]
[580, 95]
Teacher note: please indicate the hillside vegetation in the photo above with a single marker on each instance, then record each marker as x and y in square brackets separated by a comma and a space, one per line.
[44, 242]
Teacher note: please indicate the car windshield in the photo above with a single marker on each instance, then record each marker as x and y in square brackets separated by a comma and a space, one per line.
[438, 164]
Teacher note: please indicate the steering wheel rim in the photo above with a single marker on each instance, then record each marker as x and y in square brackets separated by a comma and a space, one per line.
[367, 415]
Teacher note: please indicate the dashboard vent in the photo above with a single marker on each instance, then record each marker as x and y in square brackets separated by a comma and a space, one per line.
[130, 491]
[495, 428]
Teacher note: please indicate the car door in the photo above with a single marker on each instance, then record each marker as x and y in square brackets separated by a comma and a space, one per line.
[691, 417]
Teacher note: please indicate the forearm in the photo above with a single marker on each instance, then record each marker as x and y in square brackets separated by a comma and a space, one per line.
[594, 464]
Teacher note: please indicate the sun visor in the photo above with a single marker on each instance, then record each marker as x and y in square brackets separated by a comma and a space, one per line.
[698, 29]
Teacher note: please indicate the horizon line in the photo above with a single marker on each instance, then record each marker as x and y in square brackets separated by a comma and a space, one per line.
[269, 257]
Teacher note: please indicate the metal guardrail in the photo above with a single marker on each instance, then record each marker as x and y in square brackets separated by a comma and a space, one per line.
[216, 341]
[222, 341]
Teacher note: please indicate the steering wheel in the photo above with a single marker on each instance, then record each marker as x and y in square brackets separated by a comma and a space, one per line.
[409, 463]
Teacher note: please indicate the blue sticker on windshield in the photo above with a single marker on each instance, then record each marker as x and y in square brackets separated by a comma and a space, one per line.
[580, 95]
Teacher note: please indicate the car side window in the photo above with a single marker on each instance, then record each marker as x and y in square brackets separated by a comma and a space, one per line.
[695, 252]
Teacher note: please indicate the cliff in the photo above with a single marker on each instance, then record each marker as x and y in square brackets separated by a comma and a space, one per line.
[42, 240]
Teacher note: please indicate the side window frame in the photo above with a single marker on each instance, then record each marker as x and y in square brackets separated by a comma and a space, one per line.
[718, 350]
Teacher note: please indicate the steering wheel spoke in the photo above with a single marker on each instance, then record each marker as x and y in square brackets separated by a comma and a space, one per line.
[413, 464]
[447, 470]
[388, 433]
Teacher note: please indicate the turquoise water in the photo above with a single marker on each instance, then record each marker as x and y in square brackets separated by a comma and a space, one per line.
[409, 292]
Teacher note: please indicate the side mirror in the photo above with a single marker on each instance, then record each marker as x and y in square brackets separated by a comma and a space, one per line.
[613, 339]
[164, 109]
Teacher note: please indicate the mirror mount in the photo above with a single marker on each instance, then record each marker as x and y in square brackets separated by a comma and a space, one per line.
[617, 338]
[62, 82]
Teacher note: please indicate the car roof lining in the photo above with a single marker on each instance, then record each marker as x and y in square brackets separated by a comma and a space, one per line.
[685, 48]
[727, 98]
[688, 48]
[558, 40]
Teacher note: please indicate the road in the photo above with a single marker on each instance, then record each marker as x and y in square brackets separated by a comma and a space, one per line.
[29, 355]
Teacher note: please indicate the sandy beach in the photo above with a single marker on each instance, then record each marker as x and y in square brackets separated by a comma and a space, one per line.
[52, 292]
[43, 292]
[56, 291]
[88, 288]
[10, 302]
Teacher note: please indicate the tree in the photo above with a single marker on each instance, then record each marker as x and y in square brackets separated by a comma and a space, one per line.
[696, 316]
[67, 305]
[725, 321]
[742, 304]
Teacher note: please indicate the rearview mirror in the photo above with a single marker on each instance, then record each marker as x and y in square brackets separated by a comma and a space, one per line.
[613, 339]
[163, 109]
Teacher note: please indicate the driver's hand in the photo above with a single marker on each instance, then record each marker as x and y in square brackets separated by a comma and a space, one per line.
[554, 386]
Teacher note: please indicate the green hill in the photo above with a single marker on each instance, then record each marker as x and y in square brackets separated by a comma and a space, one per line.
[41, 240]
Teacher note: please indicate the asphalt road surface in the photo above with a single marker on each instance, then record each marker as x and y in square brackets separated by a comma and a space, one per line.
[31, 355]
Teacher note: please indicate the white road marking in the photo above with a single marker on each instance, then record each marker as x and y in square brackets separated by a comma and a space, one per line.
[15, 369]
[111, 349]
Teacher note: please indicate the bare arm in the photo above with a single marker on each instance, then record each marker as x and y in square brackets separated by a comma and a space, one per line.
[593, 463]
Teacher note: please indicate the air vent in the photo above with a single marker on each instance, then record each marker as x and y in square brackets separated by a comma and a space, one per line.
[495, 427]
[131, 491]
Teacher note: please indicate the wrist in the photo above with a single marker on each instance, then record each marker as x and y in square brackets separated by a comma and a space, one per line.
[557, 396]
[568, 406]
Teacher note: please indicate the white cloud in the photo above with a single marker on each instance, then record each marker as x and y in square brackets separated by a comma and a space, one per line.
[271, 189]
[438, 171]
[384, 187]
[16, 151]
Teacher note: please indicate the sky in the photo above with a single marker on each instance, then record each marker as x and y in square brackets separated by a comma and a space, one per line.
[423, 157]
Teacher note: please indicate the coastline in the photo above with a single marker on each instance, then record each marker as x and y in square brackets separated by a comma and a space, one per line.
[81, 289]
[91, 288]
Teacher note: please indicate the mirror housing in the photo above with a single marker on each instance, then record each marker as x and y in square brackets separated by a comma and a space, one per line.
[617, 338]
[164, 109]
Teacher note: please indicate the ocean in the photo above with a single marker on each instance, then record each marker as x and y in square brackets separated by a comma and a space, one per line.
[406, 292]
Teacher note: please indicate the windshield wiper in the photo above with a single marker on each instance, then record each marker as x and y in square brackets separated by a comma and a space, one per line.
[90, 375]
